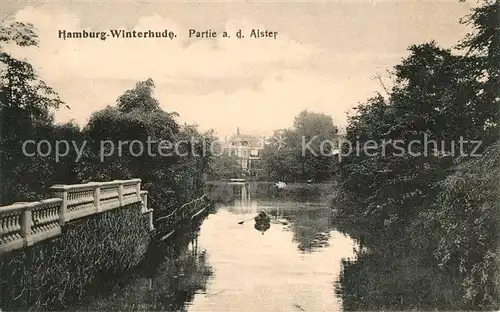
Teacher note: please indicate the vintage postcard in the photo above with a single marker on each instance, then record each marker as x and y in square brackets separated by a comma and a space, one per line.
[249, 156]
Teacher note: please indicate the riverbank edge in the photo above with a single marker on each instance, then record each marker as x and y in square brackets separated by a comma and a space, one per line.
[51, 274]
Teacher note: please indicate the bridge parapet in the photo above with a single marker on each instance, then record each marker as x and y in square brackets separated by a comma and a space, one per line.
[25, 223]
[80, 200]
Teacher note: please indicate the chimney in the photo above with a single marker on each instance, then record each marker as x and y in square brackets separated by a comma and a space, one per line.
[237, 130]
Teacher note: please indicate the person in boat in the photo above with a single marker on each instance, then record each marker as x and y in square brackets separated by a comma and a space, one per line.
[262, 217]
[262, 222]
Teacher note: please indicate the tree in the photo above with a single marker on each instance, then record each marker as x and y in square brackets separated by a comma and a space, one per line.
[434, 211]
[26, 105]
[141, 97]
[468, 233]
[21, 90]
[434, 98]
[304, 152]
[224, 167]
[138, 140]
[310, 124]
[483, 46]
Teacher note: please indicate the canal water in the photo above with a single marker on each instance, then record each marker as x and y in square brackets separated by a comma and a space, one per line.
[226, 266]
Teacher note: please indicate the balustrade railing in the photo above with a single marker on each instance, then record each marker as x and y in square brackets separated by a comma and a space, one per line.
[25, 223]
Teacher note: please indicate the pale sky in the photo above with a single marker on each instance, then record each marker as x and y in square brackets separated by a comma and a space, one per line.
[325, 57]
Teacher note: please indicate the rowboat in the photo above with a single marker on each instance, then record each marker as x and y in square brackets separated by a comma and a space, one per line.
[262, 222]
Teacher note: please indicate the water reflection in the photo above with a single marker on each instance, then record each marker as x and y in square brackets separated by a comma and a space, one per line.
[278, 271]
[169, 279]
[268, 273]
[245, 195]
[262, 227]
[229, 266]
[307, 213]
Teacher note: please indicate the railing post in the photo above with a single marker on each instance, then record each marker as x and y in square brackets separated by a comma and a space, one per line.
[145, 202]
[138, 189]
[60, 192]
[26, 223]
[120, 194]
[97, 197]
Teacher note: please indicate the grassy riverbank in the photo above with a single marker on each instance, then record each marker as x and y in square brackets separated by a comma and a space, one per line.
[49, 275]
[166, 280]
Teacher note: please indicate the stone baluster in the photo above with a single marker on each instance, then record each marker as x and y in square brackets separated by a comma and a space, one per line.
[26, 223]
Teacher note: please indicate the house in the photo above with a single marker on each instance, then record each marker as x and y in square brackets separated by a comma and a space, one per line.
[248, 149]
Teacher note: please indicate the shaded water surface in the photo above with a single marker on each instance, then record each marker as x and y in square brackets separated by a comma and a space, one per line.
[228, 266]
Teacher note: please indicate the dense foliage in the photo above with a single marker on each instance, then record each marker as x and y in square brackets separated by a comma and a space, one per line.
[224, 167]
[134, 139]
[48, 275]
[426, 206]
[25, 104]
[303, 153]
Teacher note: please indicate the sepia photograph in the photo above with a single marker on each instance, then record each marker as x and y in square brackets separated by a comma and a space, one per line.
[249, 155]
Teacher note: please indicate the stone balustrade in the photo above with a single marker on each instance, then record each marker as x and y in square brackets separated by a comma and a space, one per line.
[25, 223]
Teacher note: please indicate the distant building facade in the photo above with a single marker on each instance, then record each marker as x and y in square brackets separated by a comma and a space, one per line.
[248, 149]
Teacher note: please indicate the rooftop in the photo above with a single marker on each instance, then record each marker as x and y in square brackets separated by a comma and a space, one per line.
[252, 140]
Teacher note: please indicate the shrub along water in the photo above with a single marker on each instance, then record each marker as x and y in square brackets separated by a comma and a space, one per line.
[430, 223]
[49, 275]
